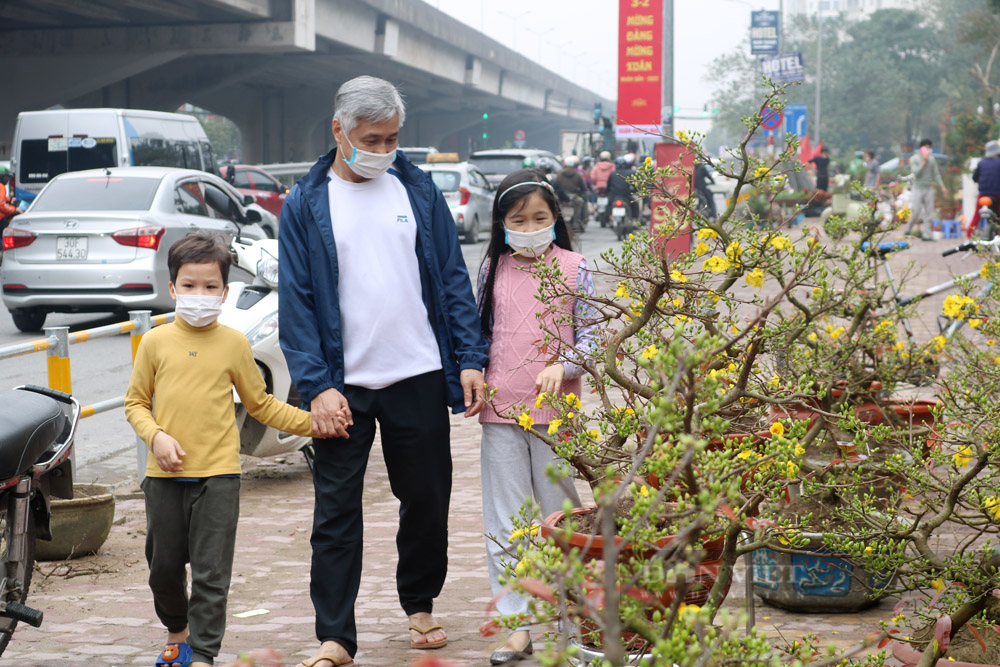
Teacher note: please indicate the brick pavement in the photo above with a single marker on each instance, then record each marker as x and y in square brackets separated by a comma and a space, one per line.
[98, 608]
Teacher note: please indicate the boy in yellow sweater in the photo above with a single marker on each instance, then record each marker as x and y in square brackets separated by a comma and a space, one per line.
[192, 479]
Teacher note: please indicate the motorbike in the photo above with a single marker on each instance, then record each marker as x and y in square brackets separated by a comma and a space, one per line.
[252, 308]
[574, 211]
[37, 428]
[602, 207]
[621, 218]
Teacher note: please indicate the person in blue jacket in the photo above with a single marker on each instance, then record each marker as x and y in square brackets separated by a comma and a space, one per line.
[378, 324]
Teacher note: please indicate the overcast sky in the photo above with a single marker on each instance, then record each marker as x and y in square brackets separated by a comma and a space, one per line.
[579, 39]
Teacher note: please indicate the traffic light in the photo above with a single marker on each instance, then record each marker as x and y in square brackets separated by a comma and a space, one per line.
[704, 111]
[677, 110]
[486, 116]
[486, 135]
[597, 113]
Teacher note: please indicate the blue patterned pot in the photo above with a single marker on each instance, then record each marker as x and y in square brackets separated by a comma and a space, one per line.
[817, 582]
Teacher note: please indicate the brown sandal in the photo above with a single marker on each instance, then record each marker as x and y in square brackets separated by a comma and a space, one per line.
[337, 662]
[424, 631]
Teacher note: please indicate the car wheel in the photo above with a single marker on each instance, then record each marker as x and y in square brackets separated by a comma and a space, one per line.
[28, 320]
[472, 236]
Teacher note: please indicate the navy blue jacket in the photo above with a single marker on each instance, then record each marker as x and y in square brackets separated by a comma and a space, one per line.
[987, 175]
[309, 304]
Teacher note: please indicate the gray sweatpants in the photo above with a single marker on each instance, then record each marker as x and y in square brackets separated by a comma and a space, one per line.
[923, 211]
[192, 522]
[514, 463]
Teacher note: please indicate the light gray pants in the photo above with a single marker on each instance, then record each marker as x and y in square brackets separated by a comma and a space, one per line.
[923, 211]
[514, 463]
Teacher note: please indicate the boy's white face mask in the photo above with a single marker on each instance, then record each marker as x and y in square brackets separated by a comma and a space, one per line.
[531, 244]
[198, 310]
[368, 165]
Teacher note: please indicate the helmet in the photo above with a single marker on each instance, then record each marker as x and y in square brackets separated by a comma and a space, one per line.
[571, 161]
[528, 162]
[620, 162]
[4, 169]
[630, 159]
[605, 155]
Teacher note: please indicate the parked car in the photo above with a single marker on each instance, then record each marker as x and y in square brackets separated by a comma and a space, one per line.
[904, 161]
[468, 193]
[418, 154]
[97, 240]
[266, 190]
[497, 163]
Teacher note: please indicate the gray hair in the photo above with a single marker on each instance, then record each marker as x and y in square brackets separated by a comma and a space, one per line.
[367, 98]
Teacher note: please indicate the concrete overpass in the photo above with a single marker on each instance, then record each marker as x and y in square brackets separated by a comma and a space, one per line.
[273, 66]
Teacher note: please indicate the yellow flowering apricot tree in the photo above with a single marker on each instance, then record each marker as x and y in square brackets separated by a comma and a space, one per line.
[722, 377]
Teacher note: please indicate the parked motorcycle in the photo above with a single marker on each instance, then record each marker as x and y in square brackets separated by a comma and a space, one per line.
[621, 218]
[253, 309]
[37, 427]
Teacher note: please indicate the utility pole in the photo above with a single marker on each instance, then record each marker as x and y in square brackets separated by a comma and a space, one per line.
[819, 73]
[667, 76]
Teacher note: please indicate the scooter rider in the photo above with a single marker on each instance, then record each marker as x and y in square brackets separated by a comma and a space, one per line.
[570, 186]
[619, 187]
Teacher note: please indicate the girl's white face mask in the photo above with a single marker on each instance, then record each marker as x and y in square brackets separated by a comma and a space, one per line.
[198, 310]
[531, 244]
[368, 165]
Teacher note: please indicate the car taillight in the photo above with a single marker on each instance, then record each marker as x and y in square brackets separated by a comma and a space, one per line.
[464, 191]
[619, 202]
[140, 237]
[16, 238]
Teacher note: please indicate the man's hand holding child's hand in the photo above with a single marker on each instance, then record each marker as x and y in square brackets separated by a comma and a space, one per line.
[168, 453]
[340, 417]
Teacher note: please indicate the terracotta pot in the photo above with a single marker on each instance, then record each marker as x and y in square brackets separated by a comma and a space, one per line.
[592, 548]
[908, 655]
[80, 525]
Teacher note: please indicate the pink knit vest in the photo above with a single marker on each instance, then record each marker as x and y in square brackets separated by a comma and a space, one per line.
[516, 353]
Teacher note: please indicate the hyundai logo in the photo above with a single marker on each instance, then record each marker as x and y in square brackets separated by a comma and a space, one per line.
[72, 223]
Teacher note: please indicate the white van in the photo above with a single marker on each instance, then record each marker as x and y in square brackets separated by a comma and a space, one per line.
[49, 143]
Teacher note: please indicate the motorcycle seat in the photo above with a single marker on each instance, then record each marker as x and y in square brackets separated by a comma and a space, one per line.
[30, 424]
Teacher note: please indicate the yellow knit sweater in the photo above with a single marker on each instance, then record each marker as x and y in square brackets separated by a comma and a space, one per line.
[191, 371]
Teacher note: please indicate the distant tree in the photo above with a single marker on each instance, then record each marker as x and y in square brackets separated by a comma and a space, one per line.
[224, 135]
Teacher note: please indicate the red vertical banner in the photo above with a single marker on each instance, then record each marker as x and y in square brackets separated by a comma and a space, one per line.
[681, 159]
[640, 68]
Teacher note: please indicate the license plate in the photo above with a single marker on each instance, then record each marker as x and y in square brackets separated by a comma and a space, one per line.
[71, 247]
[618, 210]
[602, 201]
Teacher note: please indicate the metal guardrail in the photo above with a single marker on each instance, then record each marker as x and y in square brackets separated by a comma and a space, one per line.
[58, 339]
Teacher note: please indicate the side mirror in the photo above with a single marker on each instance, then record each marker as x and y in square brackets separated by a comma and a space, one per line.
[253, 216]
[247, 200]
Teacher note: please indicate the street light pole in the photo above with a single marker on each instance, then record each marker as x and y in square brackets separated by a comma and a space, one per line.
[819, 75]
[667, 74]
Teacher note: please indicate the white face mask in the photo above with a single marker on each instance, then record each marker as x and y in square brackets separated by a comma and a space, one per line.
[198, 310]
[531, 244]
[368, 165]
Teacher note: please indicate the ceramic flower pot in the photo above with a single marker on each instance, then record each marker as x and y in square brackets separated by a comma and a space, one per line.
[906, 654]
[815, 582]
[80, 525]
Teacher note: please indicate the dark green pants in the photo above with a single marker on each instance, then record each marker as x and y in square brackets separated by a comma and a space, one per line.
[192, 522]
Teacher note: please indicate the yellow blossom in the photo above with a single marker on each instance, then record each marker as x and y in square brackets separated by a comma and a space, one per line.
[836, 333]
[760, 171]
[677, 303]
[812, 241]
[554, 426]
[937, 584]
[682, 136]
[715, 264]
[996, 359]
[648, 161]
[898, 617]
[538, 400]
[649, 352]
[745, 454]
[594, 433]
[706, 233]
[993, 506]
[991, 342]
[521, 533]
[975, 322]
[868, 551]
[701, 248]
[525, 421]
[677, 276]
[799, 449]
[900, 345]
[573, 401]
[791, 470]
[734, 251]
[963, 457]
[811, 337]
[938, 342]
[755, 278]
[781, 243]
[905, 213]
[622, 291]
[735, 329]
[643, 491]
[960, 306]
[775, 381]
[681, 318]
[777, 429]
[569, 415]
[685, 609]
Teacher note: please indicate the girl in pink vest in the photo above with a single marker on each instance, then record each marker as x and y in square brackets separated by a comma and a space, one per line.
[527, 231]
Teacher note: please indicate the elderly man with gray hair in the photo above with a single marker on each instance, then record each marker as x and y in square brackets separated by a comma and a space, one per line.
[378, 324]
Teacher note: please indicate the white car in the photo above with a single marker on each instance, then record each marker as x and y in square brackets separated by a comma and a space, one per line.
[468, 193]
[97, 240]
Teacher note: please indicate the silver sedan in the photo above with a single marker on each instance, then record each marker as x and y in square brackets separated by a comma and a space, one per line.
[97, 240]
[468, 193]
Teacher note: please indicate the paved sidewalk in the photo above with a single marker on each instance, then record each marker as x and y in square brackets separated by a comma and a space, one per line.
[98, 609]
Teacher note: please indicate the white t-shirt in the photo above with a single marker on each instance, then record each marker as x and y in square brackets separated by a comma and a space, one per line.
[387, 335]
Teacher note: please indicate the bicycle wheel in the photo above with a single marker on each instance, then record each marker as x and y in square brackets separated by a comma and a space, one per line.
[15, 575]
